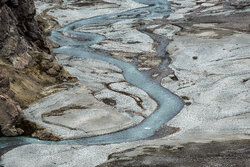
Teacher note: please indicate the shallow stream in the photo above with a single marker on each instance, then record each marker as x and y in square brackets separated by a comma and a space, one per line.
[169, 104]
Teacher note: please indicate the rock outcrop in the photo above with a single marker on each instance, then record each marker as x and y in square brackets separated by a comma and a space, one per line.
[240, 4]
[228, 153]
[10, 111]
[27, 64]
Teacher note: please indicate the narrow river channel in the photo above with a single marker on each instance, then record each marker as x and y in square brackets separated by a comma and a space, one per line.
[169, 104]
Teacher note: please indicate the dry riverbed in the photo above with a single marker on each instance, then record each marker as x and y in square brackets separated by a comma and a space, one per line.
[209, 53]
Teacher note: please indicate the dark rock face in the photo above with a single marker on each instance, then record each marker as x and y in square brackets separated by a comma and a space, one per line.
[10, 111]
[232, 153]
[26, 63]
[236, 21]
[19, 32]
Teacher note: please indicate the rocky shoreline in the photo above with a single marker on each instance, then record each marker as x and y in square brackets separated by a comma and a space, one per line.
[209, 58]
[27, 66]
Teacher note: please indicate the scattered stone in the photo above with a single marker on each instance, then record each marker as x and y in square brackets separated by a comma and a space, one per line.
[239, 4]
[45, 135]
[185, 98]
[195, 57]
[109, 101]
[188, 103]
[173, 77]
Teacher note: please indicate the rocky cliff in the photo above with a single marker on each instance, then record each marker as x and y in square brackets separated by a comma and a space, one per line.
[27, 64]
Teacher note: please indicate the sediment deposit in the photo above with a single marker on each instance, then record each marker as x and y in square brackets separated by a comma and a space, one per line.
[205, 61]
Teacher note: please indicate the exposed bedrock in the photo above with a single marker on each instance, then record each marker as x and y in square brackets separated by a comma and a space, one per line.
[10, 111]
[26, 63]
[239, 4]
[231, 153]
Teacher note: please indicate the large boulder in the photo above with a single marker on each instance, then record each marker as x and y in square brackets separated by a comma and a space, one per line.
[240, 4]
